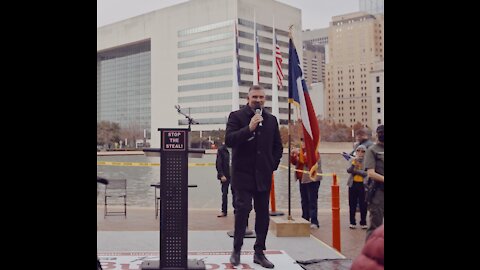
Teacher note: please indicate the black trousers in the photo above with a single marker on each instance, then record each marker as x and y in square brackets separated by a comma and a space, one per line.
[356, 194]
[225, 196]
[309, 201]
[243, 206]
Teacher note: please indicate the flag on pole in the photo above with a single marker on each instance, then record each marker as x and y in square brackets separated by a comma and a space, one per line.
[275, 108]
[257, 56]
[236, 74]
[278, 61]
[298, 95]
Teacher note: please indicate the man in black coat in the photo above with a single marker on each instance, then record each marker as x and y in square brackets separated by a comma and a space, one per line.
[223, 174]
[254, 137]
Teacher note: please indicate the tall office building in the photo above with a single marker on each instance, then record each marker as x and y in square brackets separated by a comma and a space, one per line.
[356, 46]
[314, 42]
[378, 95]
[316, 37]
[371, 6]
[317, 95]
[186, 55]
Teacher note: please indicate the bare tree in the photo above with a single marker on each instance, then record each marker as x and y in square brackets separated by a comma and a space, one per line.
[107, 132]
[132, 131]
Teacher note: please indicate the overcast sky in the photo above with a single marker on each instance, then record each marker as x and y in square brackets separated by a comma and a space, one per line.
[315, 13]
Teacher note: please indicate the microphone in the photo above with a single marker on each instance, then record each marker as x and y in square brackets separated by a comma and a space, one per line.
[258, 111]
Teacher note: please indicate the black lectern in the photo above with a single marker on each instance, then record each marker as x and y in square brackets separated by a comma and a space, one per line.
[174, 154]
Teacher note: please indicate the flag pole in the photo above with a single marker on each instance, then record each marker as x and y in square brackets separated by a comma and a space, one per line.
[256, 79]
[289, 143]
[235, 67]
[289, 164]
[275, 112]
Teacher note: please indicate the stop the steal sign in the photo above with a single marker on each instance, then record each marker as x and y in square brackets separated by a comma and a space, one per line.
[174, 140]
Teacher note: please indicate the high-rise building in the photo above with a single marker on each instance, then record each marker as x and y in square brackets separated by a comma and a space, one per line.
[185, 55]
[378, 95]
[316, 37]
[317, 95]
[371, 6]
[356, 46]
[313, 63]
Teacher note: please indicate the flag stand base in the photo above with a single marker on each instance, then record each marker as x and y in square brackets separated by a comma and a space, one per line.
[276, 213]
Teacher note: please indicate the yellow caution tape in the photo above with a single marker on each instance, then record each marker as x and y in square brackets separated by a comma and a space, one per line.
[322, 174]
[146, 164]
[201, 164]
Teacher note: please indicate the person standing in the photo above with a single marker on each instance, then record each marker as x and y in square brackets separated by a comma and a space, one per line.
[363, 136]
[223, 174]
[308, 187]
[254, 136]
[356, 190]
[374, 164]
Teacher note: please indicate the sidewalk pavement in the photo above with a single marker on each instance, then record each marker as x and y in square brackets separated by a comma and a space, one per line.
[143, 219]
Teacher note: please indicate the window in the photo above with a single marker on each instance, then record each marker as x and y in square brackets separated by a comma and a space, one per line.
[204, 28]
[378, 99]
[378, 78]
[378, 89]
[378, 110]
[379, 121]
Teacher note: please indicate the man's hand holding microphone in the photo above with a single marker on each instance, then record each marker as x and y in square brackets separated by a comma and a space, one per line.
[256, 119]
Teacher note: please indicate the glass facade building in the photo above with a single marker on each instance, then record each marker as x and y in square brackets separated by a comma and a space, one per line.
[123, 86]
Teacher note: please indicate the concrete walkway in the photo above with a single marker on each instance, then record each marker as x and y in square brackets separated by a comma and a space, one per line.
[140, 219]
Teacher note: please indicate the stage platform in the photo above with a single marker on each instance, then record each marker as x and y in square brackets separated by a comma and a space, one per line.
[127, 249]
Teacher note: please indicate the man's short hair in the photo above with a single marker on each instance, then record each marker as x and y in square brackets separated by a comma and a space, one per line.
[255, 87]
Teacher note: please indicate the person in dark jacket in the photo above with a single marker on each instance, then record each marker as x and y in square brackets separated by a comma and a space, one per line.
[254, 137]
[374, 164]
[372, 256]
[223, 174]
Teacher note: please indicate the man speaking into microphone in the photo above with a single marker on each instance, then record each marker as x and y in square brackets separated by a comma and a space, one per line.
[254, 137]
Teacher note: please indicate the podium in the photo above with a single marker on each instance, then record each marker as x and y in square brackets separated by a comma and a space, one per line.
[173, 155]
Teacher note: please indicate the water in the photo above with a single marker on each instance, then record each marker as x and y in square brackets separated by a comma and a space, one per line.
[208, 194]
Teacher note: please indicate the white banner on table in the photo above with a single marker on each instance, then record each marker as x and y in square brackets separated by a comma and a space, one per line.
[129, 260]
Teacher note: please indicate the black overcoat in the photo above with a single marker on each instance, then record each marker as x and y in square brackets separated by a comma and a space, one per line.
[222, 162]
[255, 155]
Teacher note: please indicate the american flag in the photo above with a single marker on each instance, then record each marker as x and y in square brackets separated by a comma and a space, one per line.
[278, 60]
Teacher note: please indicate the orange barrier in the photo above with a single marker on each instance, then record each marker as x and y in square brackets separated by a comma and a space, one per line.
[335, 214]
[272, 200]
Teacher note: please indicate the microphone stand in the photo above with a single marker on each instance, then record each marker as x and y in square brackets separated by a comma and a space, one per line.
[190, 119]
